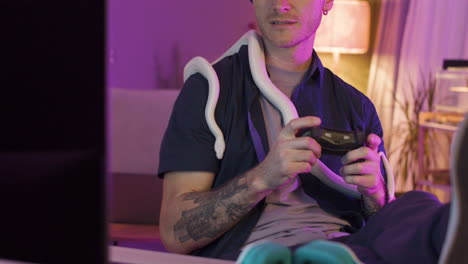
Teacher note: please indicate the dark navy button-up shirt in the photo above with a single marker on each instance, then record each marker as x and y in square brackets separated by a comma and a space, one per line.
[188, 144]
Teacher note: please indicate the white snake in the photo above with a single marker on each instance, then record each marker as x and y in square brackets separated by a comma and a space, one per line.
[277, 98]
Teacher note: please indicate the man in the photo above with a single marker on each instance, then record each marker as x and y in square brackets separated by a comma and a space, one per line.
[261, 189]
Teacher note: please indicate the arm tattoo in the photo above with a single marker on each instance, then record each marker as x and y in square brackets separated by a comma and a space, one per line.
[217, 210]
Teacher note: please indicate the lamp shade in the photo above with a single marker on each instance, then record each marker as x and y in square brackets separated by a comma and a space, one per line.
[345, 29]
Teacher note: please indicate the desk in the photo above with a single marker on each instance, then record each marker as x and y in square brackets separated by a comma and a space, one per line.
[123, 255]
[138, 256]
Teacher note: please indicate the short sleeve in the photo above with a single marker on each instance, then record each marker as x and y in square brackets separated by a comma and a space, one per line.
[373, 122]
[188, 144]
[374, 127]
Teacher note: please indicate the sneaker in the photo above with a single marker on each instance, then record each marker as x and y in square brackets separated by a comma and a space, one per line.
[265, 252]
[454, 249]
[325, 252]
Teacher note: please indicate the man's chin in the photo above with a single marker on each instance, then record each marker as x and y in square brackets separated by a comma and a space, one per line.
[279, 41]
[284, 43]
[286, 39]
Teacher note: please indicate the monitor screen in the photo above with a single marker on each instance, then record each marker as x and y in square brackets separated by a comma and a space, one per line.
[53, 131]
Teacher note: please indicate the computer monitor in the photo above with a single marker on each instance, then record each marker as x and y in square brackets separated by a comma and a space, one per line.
[53, 131]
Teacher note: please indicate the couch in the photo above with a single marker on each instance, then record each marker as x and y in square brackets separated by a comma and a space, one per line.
[138, 119]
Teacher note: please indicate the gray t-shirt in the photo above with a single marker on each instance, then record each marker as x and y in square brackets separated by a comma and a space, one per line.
[291, 217]
[294, 221]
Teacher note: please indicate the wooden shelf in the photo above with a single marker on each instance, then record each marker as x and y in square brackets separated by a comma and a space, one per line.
[444, 127]
[440, 120]
[438, 179]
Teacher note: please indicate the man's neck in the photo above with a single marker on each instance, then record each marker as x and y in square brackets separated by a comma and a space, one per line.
[287, 66]
[294, 59]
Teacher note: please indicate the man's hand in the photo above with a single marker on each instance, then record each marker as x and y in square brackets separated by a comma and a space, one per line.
[366, 173]
[288, 157]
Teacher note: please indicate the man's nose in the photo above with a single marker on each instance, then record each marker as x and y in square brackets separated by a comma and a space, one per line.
[281, 6]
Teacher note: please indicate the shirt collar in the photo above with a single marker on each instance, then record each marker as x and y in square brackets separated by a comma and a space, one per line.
[315, 70]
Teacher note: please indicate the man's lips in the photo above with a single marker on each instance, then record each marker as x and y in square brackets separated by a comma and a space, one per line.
[282, 22]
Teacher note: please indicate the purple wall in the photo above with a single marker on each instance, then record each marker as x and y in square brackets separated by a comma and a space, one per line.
[151, 40]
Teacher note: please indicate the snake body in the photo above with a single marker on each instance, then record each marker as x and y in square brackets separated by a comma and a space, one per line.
[277, 98]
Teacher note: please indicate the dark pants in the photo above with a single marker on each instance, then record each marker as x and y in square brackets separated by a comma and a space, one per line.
[410, 229]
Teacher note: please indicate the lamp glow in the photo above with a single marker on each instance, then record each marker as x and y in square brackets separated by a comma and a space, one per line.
[345, 29]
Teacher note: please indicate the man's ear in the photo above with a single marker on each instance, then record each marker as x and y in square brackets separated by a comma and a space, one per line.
[328, 5]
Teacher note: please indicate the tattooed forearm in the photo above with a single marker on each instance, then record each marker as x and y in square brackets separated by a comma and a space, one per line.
[215, 212]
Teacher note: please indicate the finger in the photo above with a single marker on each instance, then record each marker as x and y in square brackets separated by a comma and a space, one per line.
[359, 154]
[299, 167]
[360, 168]
[304, 156]
[373, 142]
[305, 143]
[290, 130]
[292, 156]
[363, 181]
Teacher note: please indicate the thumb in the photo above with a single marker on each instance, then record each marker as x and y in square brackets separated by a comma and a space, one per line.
[289, 131]
[373, 142]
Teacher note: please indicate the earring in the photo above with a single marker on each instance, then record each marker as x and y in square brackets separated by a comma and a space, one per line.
[325, 12]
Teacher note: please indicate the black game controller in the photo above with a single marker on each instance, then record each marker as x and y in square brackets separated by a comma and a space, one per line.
[335, 141]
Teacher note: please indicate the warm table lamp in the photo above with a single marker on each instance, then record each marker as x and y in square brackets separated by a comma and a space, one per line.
[345, 29]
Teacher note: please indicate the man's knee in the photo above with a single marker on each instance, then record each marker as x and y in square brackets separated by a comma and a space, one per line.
[418, 196]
